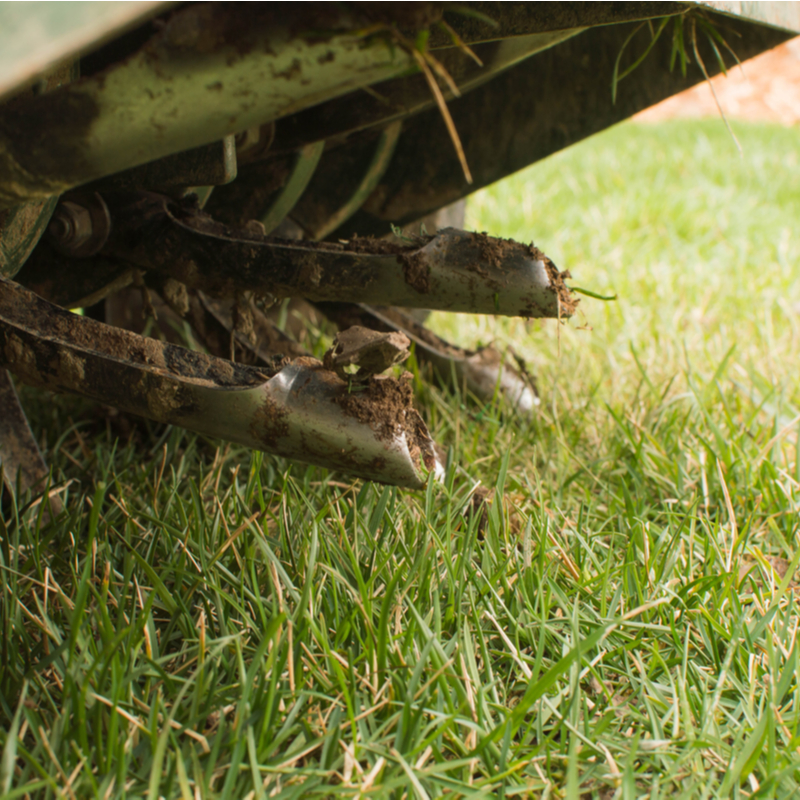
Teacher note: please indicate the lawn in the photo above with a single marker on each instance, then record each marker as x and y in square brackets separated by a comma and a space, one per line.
[210, 622]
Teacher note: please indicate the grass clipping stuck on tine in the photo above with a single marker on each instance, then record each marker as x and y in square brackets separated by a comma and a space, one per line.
[434, 71]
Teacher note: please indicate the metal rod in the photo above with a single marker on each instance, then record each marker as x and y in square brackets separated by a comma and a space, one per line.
[307, 159]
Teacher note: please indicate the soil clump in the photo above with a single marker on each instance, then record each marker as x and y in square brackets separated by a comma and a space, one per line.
[382, 404]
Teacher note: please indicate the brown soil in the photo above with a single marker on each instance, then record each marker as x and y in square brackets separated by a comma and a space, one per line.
[185, 213]
[83, 337]
[766, 89]
[270, 424]
[382, 405]
[780, 567]
[568, 301]
[371, 246]
[495, 251]
[492, 250]
[372, 351]
[416, 272]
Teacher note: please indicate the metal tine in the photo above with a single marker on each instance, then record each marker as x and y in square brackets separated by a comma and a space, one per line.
[254, 339]
[295, 409]
[264, 341]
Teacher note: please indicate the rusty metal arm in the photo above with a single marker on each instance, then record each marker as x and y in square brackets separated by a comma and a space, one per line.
[297, 409]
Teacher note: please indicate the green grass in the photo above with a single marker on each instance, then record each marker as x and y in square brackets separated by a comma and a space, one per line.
[210, 622]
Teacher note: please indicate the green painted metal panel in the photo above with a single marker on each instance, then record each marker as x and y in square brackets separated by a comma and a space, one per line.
[35, 36]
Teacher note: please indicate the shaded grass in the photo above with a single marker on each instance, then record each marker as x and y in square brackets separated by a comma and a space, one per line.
[206, 621]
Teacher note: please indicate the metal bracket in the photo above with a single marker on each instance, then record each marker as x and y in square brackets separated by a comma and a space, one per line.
[210, 165]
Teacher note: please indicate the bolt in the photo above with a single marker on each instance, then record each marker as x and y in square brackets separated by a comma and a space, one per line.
[79, 227]
[70, 226]
[60, 227]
